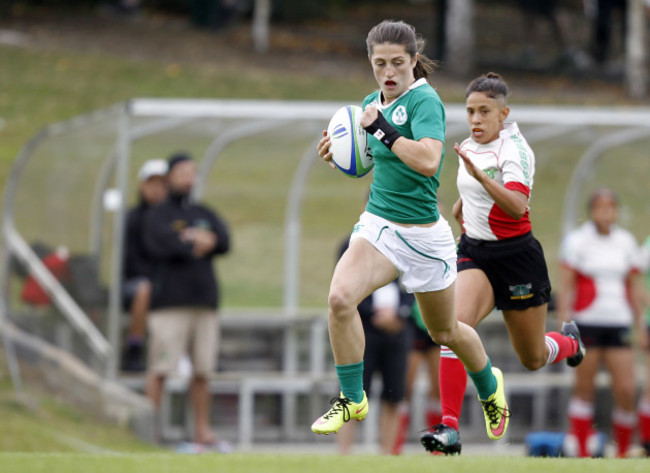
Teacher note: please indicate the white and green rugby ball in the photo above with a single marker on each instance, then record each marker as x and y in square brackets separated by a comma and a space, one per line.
[350, 152]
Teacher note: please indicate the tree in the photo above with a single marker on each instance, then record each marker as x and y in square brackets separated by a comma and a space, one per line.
[460, 37]
[261, 25]
[636, 78]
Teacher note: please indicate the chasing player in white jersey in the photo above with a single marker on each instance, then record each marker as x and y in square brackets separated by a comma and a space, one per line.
[600, 287]
[402, 233]
[500, 263]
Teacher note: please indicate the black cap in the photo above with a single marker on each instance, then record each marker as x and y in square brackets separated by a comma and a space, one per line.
[177, 158]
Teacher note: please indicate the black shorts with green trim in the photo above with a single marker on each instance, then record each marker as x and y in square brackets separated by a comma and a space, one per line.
[515, 267]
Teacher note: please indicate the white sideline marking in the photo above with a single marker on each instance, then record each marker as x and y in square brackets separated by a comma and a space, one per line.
[76, 443]
[13, 38]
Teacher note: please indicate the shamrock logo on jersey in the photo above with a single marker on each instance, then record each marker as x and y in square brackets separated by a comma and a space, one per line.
[399, 115]
[491, 172]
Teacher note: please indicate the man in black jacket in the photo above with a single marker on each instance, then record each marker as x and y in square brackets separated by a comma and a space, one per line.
[138, 264]
[184, 237]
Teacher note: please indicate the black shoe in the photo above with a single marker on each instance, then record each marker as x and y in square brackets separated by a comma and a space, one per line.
[133, 358]
[441, 438]
[646, 447]
[571, 329]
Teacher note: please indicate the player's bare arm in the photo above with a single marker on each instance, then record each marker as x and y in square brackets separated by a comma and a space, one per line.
[512, 202]
[457, 212]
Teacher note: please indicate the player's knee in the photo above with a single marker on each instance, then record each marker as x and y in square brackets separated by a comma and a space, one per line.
[442, 337]
[533, 364]
[341, 302]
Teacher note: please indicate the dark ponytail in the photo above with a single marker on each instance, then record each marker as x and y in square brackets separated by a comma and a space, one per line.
[491, 84]
[398, 32]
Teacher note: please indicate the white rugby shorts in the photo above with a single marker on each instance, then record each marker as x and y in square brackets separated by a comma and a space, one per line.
[425, 257]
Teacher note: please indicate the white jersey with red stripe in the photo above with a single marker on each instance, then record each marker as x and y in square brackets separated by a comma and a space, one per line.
[511, 163]
[602, 264]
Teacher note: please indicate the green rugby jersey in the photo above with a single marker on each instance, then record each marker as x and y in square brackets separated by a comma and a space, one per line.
[399, 193]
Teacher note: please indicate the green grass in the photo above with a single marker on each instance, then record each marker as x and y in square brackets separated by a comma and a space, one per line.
[43, 423]
[41, 87]
[267, 463]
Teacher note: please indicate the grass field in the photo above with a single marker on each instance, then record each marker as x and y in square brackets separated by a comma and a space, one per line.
[41, 87]
[45, 423]
[47, 435]
[263, 463]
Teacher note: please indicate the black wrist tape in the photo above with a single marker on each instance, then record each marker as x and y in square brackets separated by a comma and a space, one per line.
[383, 131]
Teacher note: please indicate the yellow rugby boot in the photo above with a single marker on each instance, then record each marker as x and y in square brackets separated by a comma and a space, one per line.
[341, 412]
[495, 409]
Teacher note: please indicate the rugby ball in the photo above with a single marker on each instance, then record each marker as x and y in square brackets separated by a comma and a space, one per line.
[350, 152]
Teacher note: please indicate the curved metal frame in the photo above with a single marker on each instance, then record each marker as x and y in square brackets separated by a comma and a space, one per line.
[293, 228]
[225, 139]
[586, 162]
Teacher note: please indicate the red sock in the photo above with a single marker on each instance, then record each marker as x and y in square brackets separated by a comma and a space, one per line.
[402, 432]
[581, 428]
[623, 437]
[453, 383]
[434, 417]
[623, 425]
[560, 347]
[644, 426]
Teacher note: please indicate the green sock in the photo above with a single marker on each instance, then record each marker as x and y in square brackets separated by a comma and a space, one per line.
[485, 381]
[351, 379]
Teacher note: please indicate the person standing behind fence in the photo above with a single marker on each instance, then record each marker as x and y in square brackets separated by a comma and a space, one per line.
[138, 264]
[184, 237]
[599, 287]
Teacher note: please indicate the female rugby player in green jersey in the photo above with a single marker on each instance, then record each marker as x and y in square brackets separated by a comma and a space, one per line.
[401, 233]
